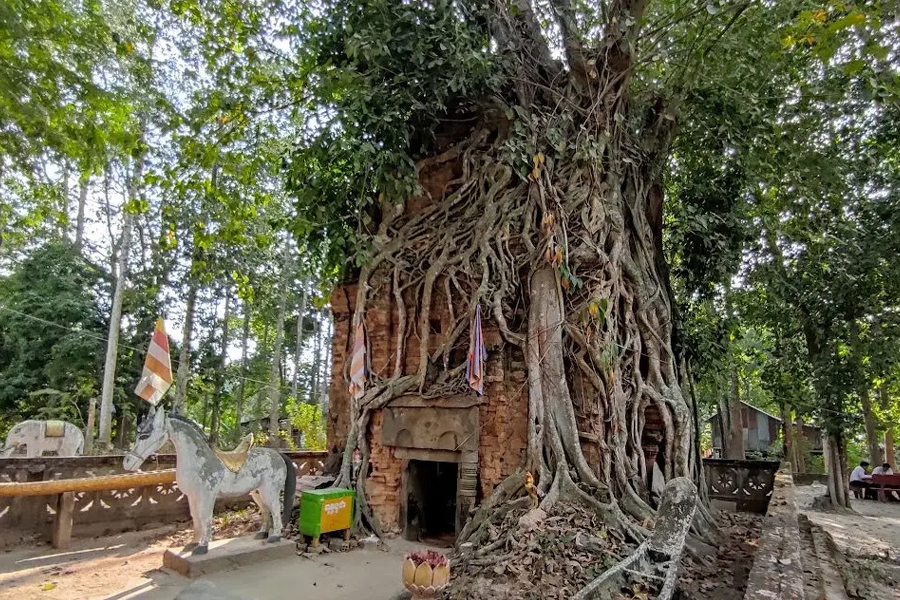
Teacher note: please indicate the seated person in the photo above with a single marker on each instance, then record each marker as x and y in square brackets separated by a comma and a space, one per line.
[860, 480]
[884, 469]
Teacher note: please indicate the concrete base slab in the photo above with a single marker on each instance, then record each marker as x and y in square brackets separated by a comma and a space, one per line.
[226, 554]
[205, 590]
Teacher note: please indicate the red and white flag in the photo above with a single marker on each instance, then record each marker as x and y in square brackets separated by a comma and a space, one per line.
[358, 364]
[157, 375]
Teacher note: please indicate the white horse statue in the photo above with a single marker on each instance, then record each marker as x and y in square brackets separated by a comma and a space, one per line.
[204, 474]
[44, 436]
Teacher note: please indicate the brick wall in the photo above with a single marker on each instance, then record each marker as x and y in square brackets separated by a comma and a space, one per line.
[384, 484]
[503, 415]
[503, 418]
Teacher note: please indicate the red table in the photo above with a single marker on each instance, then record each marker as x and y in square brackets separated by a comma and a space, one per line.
[885, 482]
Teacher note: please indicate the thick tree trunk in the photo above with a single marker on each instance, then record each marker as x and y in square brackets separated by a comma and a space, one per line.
[274, 372]
[220, 374]
[699, 478]
[245, 337]
[735, 446]
[115, 320]
[182, 377]
[301, 310]
[838, 475]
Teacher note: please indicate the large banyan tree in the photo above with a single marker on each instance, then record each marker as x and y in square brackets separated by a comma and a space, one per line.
[559, 117]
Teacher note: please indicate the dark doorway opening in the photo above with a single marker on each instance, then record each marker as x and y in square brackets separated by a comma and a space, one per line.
[431, 502]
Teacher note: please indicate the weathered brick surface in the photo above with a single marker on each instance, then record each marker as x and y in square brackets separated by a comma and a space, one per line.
[384, 484]
[504, 421]
[503, 415]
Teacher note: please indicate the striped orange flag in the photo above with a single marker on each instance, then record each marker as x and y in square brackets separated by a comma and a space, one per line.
[358, 364]
[157, 375]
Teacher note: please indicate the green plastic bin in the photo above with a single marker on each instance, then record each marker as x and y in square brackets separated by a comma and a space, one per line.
[324, 511]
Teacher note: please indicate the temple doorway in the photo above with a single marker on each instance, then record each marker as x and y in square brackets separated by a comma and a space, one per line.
[431, 493]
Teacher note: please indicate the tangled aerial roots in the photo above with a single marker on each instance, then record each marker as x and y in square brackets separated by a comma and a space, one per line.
[553, 559]
[509, 244]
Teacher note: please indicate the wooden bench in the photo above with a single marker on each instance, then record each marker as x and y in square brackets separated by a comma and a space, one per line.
[883, 483]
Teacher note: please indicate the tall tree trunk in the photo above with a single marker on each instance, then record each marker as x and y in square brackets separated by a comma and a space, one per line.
[82, 203]
[836, 465]
[875, 456]
[65, 208]
[317, 358]
[220, 375]
[890, 453]
[245, 337]
[787, 428]
[274, 394]
[695, 412]
[865, 397]
[89, 428]
[300, 312]
[800, 444]
[184, 358]
[735, 447]
[325, 379]
[115, 320]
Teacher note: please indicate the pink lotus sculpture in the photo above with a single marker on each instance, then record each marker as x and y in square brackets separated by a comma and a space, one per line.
[425, 574]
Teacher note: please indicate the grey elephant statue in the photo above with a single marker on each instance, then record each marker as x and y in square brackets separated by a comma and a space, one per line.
[39, 437]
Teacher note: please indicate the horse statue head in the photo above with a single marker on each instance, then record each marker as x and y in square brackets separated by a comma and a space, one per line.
[152, 433]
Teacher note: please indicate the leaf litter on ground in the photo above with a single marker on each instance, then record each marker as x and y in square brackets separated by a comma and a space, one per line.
[553, 560]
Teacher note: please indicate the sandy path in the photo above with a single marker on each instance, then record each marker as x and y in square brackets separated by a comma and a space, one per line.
[89, 569]
[873, 532]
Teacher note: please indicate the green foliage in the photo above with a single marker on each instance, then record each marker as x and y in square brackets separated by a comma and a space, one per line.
[377, 77]
[52, 333]
[307, 419]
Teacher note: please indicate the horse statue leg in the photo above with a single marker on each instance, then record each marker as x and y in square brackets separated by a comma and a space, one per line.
[205, 502]
[265, 517]
[198, 526]
[270, 493]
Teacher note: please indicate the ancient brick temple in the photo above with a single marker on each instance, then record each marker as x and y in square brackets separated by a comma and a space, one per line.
[432, 458]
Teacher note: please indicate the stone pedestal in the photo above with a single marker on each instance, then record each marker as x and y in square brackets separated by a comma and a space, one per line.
[225, 555]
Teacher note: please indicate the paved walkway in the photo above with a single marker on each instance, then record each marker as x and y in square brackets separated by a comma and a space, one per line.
[127, 567]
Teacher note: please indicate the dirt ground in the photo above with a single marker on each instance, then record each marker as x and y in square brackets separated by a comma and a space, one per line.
[127, 567]
[872, 530]
[864, 543]
[89, 569]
